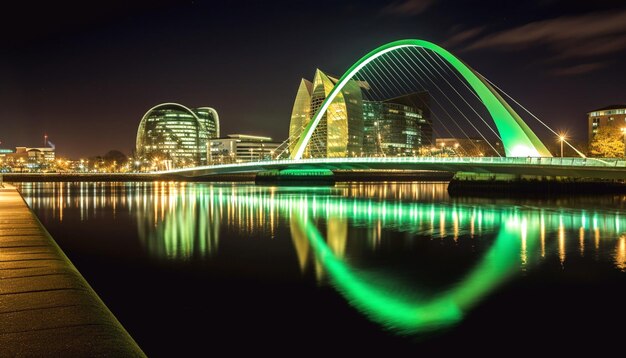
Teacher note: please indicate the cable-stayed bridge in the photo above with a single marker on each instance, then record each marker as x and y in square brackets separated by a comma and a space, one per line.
[464, 105]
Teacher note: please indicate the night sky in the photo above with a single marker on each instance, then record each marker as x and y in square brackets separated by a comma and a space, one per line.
[86, 73]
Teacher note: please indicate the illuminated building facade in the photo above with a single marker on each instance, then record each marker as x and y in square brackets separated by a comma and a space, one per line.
[175, 136]
[28, 159]
[614, 115]
[353, 126]
[237, 148]
[340, 131]
[397, 126]
[33, 155]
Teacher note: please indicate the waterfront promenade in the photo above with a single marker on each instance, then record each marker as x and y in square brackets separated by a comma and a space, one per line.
[46, 306]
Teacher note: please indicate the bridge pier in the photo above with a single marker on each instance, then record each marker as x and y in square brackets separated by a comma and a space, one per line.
[488, 184]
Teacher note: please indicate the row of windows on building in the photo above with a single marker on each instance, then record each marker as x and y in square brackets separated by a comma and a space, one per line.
[171, 135]
[354, 126]
[614, 115]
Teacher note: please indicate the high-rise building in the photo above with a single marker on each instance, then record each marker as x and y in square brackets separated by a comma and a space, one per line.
[354, 126]
[418, 101]
[614, 115]
[177, 136]
[340, 131]
[396, 126]
[236, 148]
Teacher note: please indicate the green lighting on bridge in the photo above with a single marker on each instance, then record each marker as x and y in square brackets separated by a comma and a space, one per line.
[517, 138]
[405, 313]
[521, 237]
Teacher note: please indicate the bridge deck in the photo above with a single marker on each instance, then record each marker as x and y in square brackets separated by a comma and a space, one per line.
[599, 168]
[46, 306]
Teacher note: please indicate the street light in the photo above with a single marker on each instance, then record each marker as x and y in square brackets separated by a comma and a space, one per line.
[562, 139]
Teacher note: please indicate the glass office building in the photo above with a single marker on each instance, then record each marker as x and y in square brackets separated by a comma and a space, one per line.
[237, 148]
[171, 135]
[397, 126]
[353, 126]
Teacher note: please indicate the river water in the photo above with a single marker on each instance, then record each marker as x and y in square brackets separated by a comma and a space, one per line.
[192, 268]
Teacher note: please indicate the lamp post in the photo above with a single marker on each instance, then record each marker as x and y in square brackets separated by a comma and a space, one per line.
[561, 139]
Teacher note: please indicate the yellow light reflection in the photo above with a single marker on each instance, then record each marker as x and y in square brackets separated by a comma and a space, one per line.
[620, 253]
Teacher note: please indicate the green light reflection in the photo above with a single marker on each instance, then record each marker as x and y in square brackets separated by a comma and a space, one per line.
[519, 232]
[178, 221]
[403, 312]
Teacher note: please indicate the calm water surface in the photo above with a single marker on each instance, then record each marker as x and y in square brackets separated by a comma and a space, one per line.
[196, 267]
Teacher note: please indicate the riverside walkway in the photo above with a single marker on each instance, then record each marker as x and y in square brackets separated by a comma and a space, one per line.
[46, 306]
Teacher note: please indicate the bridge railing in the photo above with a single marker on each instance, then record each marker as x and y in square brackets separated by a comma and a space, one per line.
[553, 161]
[557, 161]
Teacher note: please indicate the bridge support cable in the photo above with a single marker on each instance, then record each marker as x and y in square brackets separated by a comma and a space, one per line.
[366, 75]
[376, 91]
[442, 108]
[441, 122]
[425, 75]
[374, 87]
[517, 138]
[432, 75]
[430, 78]
[287, 141]
[388, 78]
[450, 69]
[457, 92]
[486, 123]
[385, 62]
[407, 87]
[509, 97]
[530, 113]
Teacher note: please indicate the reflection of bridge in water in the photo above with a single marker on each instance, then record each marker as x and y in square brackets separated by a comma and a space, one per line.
[332, 227]
[323, 221]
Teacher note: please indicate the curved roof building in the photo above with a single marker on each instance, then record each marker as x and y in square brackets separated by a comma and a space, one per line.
[177, 134]
[340, 131]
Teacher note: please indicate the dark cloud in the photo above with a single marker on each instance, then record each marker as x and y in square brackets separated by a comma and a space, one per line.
[407, 7]
[464, 35]
[579, 69]
[600, 46]
[566, 39]
[562, 32]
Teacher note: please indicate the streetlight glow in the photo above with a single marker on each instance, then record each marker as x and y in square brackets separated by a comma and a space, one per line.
[562, 137]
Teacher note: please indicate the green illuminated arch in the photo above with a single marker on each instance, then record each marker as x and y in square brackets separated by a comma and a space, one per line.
[517, 138]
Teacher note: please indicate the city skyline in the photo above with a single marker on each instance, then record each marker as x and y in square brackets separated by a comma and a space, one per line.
[102, 72]
[192, 177]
